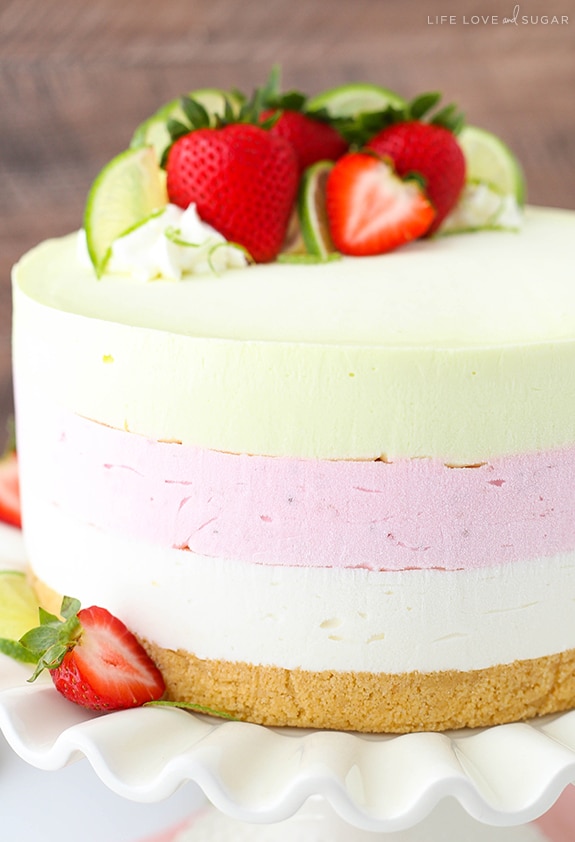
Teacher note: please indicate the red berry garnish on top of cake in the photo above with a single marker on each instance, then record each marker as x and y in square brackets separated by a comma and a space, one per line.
[242, 178]
[370, 209]
[311, 133]
[312, 139]
[429, 150]
[93, 659]
[246, 166]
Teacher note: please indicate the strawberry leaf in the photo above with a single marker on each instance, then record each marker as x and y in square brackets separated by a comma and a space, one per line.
[323, 115]
[69, 608]
[47, 619]
[450, 118]
[238, 95]
[422, 104]
[197, 115]
[271, 89]
[177, 129]
[417, 177]
[252, 108]
[229, 114]
[40, 639]
[271, 96]
[358, 130]
[51, 659]
[49, 642]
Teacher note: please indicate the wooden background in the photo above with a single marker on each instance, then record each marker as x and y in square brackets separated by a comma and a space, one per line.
[76, 77]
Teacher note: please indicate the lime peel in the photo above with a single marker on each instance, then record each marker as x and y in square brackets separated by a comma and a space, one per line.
[174, 235]
[14, 649]
[312, 212]
[129, 190]
[296, 259]
[489, 160]
[18, 613]
[354, 98]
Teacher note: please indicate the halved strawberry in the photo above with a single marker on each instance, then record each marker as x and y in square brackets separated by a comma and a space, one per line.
[93, 659]
[10, 511]
[372, 211]
[431, 151]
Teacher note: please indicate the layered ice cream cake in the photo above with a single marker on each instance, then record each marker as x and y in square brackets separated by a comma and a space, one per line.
[336, 493]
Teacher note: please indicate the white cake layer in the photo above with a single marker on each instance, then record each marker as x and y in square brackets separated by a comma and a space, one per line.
[312, 618]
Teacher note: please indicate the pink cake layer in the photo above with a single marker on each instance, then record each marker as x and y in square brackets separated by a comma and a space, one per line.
[415, 513]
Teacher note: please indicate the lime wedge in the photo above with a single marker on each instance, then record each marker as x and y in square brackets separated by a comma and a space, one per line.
[129, 189]
[154, 131]
[490, 161]
[355, 98]
[18, 612]
[312, 211]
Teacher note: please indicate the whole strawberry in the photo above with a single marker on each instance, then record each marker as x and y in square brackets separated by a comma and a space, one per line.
[311, 134]
[243, 180]
[431, 151]
[312, 139]
[93, 659]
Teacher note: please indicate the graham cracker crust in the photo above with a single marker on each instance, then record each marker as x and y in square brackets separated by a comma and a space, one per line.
[371, 702]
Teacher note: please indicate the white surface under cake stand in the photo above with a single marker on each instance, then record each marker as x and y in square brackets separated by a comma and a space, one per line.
[503, 776]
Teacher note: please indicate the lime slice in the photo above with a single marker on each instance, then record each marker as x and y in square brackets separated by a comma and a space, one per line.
[128, 190]
[154, 131]
[18, 612]
[490, 161]
[353, 99]
[312, 211]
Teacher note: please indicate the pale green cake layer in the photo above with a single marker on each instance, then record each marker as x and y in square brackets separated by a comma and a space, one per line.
[461, 347]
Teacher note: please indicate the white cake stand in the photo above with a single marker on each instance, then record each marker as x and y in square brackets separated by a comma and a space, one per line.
[503, 776]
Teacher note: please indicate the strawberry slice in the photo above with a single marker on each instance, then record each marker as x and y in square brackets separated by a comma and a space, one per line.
[93, 659]
[372, 211]
[10, 511]
[433, 152]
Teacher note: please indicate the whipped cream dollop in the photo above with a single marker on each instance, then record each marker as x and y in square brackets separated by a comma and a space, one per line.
[171, 243]
[480, 207]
